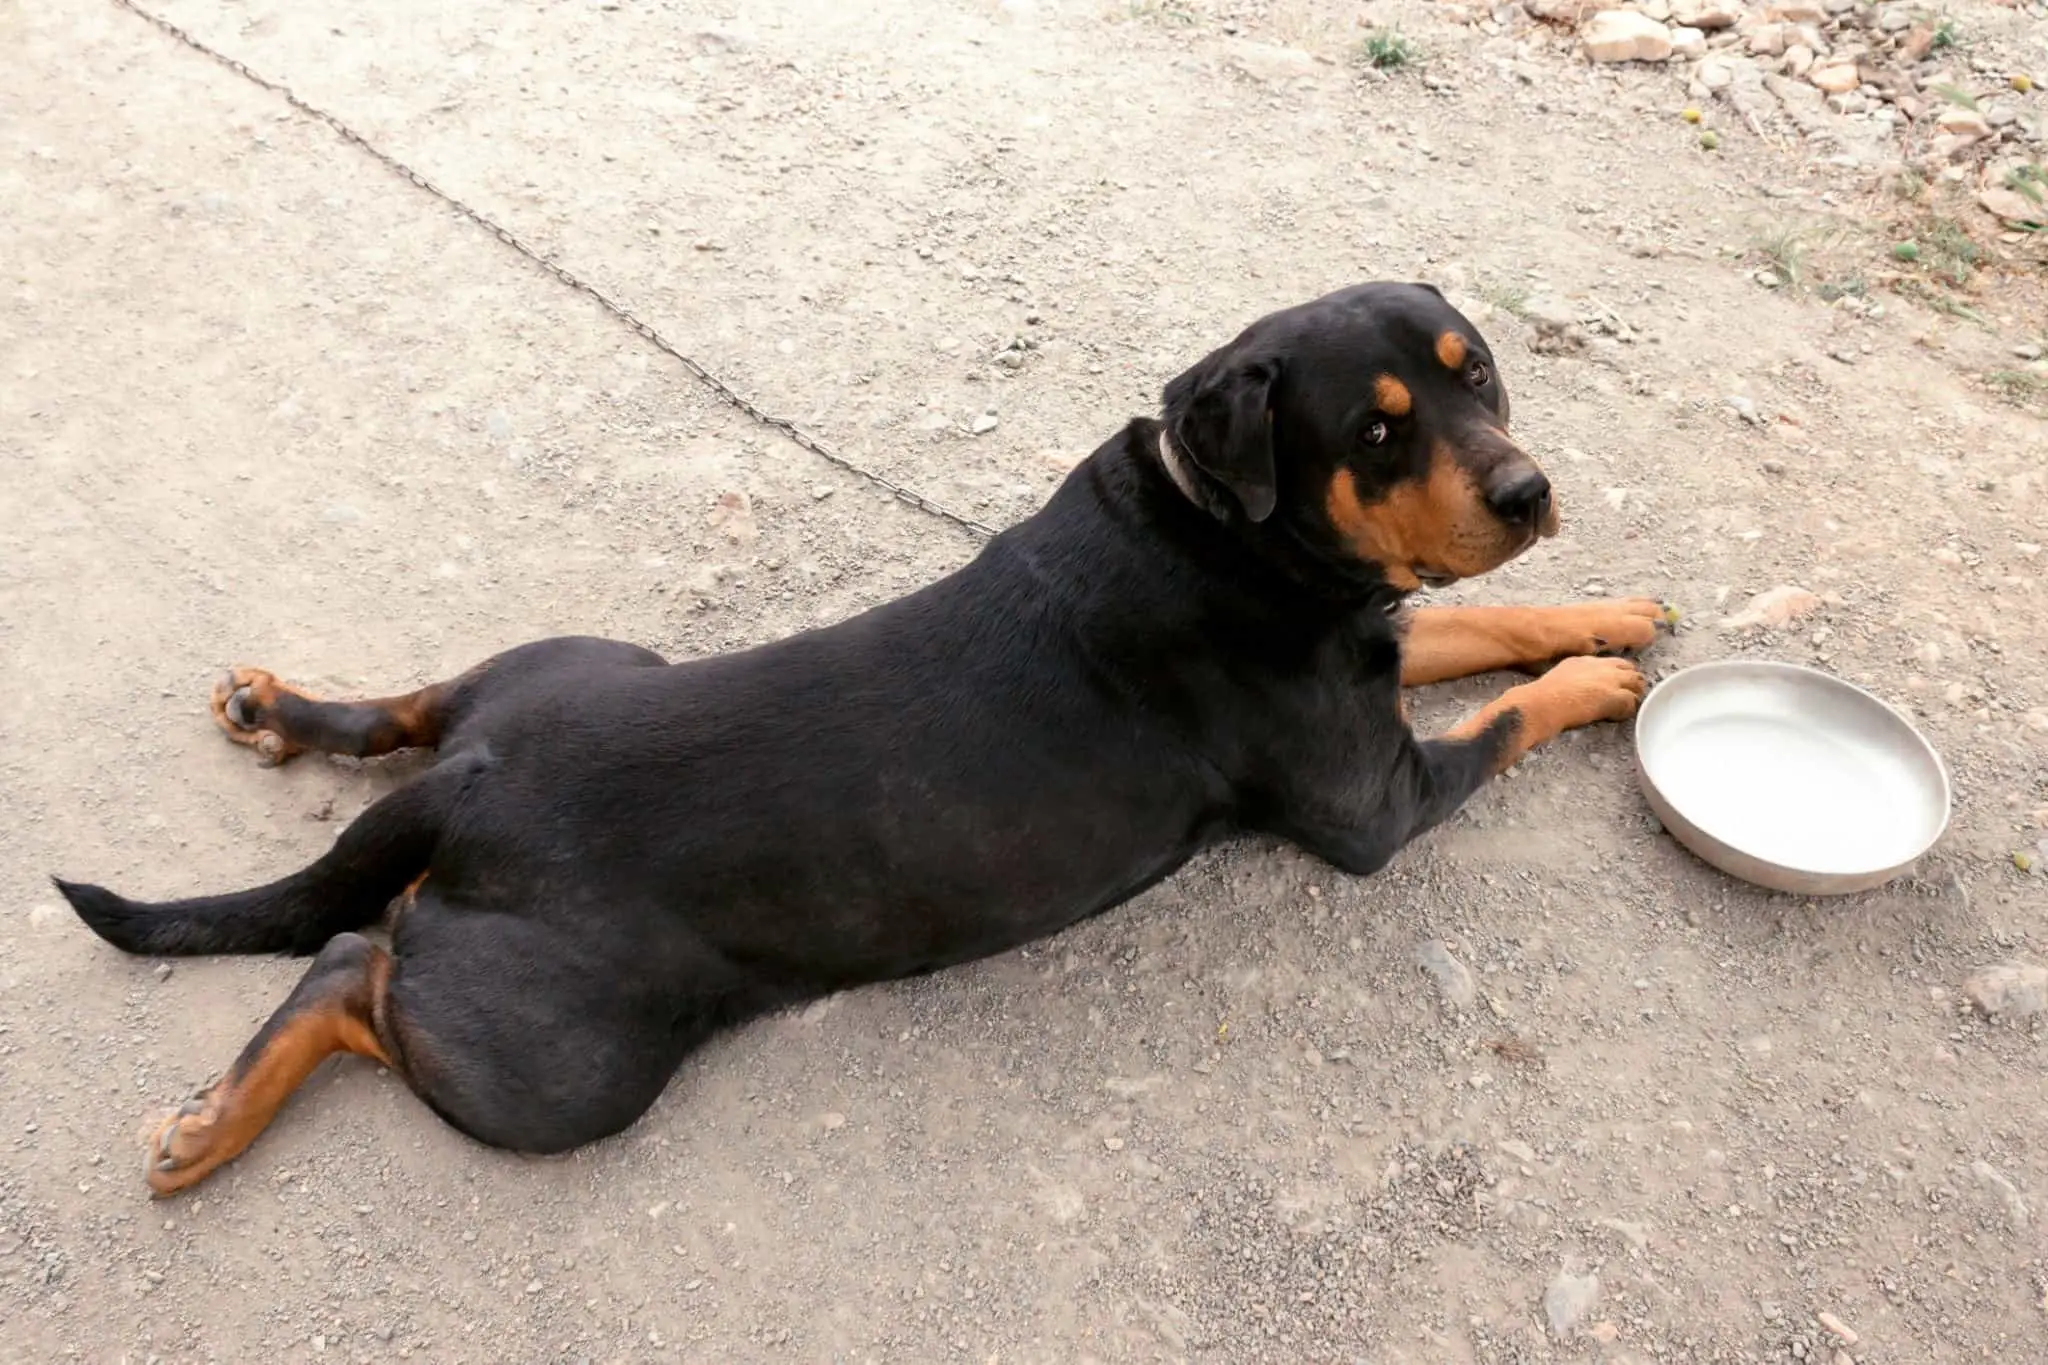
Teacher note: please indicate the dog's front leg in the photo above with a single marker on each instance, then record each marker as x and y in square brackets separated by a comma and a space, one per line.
[1431, 778]
[1579, 691]
[1442, 643]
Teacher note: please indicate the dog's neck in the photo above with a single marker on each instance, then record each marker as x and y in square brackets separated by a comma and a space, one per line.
[1176, 465]
[1379, 599]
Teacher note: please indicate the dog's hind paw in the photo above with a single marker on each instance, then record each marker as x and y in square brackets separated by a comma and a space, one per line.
[244, 702]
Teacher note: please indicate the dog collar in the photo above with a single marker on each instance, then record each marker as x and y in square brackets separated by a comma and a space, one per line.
[1177, 470]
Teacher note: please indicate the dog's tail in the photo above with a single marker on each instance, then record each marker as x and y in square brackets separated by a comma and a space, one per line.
[384, 850]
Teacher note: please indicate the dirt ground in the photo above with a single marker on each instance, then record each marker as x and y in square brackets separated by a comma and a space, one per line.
[261, 401]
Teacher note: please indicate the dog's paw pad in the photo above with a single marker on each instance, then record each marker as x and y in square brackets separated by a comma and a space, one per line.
[243, 703]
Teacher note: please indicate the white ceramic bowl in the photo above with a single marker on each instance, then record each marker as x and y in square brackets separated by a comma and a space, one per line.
[1789, 777]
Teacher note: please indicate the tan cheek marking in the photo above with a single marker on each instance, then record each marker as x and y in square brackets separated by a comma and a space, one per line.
[1392, 396]
[1415, 523]
[1450, 349]
[1370, 531]
[1410, 525]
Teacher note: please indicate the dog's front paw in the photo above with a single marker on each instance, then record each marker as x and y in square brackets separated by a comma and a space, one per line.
[1587, 690]
[1621, 625]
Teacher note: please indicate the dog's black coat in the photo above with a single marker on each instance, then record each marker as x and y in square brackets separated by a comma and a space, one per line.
[623, 855]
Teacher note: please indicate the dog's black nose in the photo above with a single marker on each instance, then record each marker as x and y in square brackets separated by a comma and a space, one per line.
[1520, 499]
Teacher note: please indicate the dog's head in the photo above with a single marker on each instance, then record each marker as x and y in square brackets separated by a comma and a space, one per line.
[1369, 429]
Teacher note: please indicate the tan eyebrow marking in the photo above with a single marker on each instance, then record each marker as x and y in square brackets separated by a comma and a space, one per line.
[1450, 349]
[1392, 396]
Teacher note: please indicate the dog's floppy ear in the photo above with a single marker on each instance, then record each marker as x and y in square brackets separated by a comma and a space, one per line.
[1219, 415]
[1425, 284]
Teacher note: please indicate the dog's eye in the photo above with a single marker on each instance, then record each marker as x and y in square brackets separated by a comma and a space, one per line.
[1376, 433]
[1476, 374]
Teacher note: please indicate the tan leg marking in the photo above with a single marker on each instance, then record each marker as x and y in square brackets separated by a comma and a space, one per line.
[1458, 642]
[1579, 691]
[329, 1012]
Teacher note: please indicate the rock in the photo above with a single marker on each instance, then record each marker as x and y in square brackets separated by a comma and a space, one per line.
[1798, 12]
[1746, 409]
[2016, 990]
[733, 515]
[2008, 1194]
[1569, 1298]
[2027, 350]
[1770, 40]
[163, 971]
[1452, 977]
[1913, 49]
[1967, 124]
[1689, 43]
[1841, 1329]
[1273, 65]
[1798, 59]
[1945, 147]
[1777, 607]
[1748, 92]
[1622, 36]
[1715, 73]
[984, 424]
[1895, 18]
[1571, 12]
[1838, 78]
[1707, 14]
[1556, 326]
[715, 41]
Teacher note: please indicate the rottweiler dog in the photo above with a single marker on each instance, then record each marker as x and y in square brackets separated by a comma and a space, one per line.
[1203, 633]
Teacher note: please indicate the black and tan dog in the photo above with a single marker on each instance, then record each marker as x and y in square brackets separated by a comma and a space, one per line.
[1200, 634]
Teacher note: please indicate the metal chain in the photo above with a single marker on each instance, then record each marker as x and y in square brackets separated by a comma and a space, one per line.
[566, 276]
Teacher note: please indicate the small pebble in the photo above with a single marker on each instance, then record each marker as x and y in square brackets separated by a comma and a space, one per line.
[1569, 1298]
[1777, 607]
[2017, 990]
[1452, 977]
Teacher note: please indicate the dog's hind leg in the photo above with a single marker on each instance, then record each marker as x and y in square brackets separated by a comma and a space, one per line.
[277, 720]
[518, 1034]
[338, 1006]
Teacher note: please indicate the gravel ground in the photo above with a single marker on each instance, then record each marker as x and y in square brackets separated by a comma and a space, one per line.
[1547, 1089]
